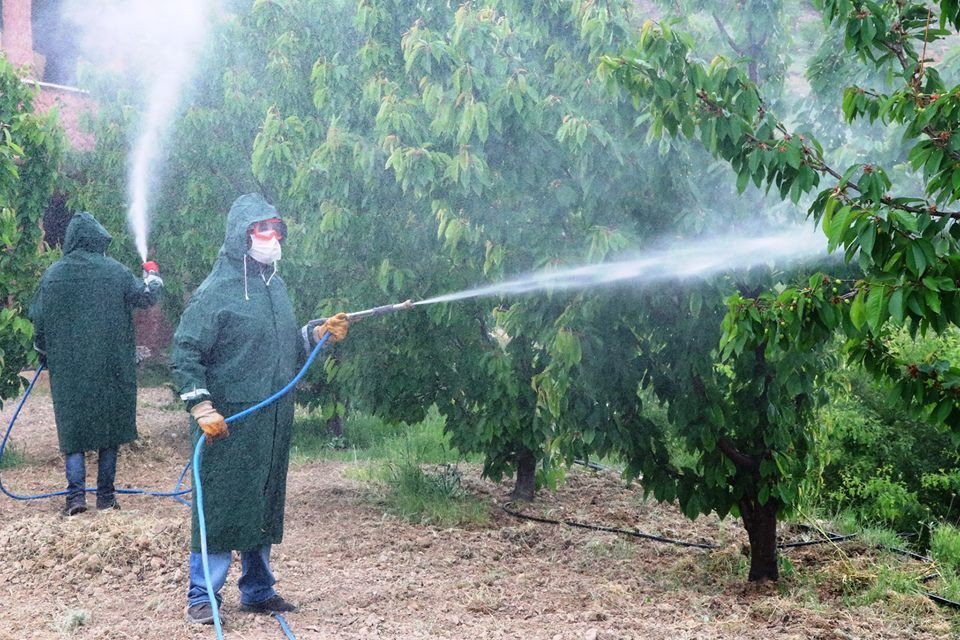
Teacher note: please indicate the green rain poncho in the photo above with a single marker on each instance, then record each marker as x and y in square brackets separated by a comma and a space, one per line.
[83, 323]
[238, 343]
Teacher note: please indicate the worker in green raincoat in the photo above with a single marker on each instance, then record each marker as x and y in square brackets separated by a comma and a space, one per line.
[82, 316]
[237, 344]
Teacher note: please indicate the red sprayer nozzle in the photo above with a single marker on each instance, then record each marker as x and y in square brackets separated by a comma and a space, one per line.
[151, 267]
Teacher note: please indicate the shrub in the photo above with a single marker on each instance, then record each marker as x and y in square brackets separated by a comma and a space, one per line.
[881, 461]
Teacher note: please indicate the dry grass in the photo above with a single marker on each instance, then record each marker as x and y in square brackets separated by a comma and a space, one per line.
[357, 573]
[117, 543]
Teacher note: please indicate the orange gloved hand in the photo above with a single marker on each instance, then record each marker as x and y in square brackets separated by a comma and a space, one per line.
[336, 325]
[210, 421]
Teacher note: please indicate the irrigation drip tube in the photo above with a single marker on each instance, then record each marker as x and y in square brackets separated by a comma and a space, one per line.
[831, 537]
[828, 538]
[595, 527]
[595, 466]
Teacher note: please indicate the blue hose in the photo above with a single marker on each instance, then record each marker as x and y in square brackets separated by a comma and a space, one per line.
[198, 487]
[283, 625]
[176, 493]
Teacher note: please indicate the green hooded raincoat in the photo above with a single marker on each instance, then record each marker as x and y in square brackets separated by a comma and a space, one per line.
[238, 343]
[82, 315]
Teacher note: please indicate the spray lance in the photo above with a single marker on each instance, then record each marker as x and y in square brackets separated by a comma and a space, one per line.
[307, 330]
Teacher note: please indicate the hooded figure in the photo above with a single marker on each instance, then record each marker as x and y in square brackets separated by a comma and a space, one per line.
[83, 329]
[238, 343]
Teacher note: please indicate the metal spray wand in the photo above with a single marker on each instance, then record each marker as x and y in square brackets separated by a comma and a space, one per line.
[358, 315]
[379, 311]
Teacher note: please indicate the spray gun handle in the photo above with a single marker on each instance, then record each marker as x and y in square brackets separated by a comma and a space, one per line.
[368, 313]
[306, 332]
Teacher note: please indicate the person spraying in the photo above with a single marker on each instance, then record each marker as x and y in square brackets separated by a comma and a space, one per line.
[82, 316]
[237, 343]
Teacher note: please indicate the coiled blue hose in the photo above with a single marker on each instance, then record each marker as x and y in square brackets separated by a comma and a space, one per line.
[198, 487]
[175, 494]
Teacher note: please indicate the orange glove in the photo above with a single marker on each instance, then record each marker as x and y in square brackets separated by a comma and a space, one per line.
[336, 325]
[210, 421]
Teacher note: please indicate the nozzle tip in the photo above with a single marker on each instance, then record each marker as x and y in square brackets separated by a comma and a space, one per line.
[406, 304]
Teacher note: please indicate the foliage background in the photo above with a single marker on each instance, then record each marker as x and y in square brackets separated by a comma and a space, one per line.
[417, 148]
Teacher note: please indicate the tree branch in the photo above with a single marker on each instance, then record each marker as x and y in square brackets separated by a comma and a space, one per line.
[742, 460]
[723, 31]
[896, 50]
[942, 137]
[818, 164]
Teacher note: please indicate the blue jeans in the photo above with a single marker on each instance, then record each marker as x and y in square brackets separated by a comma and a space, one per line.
[256, 580]
[76, 470]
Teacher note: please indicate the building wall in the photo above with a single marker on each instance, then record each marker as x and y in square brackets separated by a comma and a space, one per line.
[71, 105]
[17, 36]
[17, 43]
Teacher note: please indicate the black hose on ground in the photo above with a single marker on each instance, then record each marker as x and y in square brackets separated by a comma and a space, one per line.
[594, 527]
[830, 537]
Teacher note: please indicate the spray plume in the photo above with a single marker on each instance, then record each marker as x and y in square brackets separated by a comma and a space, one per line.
[684, 260]
[159, 42]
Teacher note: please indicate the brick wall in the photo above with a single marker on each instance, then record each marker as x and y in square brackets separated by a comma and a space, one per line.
[70, 105]
[18, 32]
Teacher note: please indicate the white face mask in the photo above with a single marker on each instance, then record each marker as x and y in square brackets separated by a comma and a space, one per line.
[264, 251]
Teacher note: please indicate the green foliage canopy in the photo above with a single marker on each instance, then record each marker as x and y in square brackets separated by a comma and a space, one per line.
[904, 244]
[485, 143]
[30, 149]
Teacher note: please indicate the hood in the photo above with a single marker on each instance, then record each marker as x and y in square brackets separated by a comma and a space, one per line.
[84, 232]
[245, 210]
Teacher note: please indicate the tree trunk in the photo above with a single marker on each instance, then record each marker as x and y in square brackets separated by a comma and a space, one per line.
[526, 485]
[335, 426]
[760, 521]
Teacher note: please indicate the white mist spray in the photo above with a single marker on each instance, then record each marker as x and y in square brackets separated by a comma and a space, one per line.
[683, 260]
[159, 43]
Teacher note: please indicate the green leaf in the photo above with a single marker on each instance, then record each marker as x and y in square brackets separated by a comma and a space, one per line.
[896, 306]
[932, 298]
[696, 303]
[942, 412]
[868, 238]
[858, 309]
[916, 260]
[875, 308]
[742, 179]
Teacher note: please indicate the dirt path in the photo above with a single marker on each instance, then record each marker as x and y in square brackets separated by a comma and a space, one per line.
[357, 573]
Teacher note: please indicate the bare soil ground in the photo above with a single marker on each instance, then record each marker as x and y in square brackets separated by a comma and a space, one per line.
[357, 573]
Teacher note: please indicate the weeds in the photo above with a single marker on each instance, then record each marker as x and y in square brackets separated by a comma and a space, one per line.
[73, 619]
[368, 437]
[429, 497]
[945, 549]
[611, 548]
[13, 457]
[413, 463]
